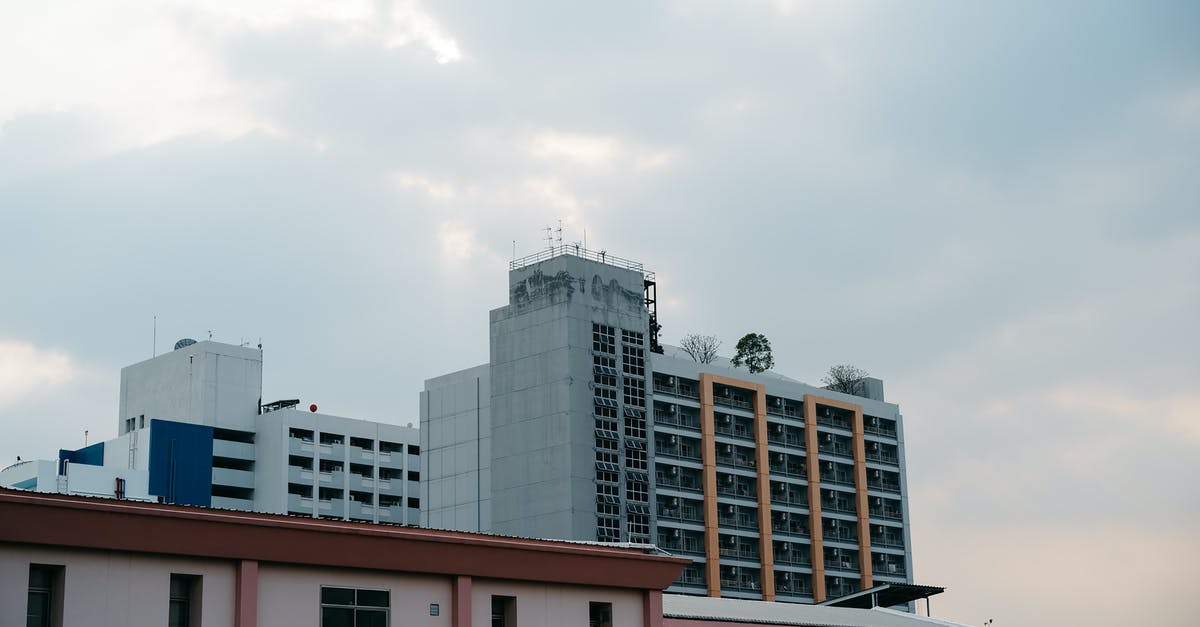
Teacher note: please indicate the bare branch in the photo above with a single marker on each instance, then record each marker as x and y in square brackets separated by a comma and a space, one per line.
[702, 348]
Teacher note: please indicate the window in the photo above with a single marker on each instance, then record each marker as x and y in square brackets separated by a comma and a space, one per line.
[347, 607]
[635, 392]
[184, 609]
[633, 361]
[504, 611]
[600, 614]
[631, 337]
[604, 339]
[44, 608]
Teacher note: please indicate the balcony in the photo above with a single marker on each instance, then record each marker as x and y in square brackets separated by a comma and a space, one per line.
[685, 513]
[883, 457]
[231, 477]
[689, 483]
[886, 486]
[844, 563]
[729, 401]
[332, 451]
[790, 527]
[332, 479]
[233, 450]
[796, 556]
[794, 499]
[838, 449]
[392, 514]
[681, 388]
[890, 513]
[225, 502]
[296, 446]
[684, 420]
[331, 507]
[362, 511]
[361, 483]
[298, 504]
[840, 534]
[297, 474]
[889, 570]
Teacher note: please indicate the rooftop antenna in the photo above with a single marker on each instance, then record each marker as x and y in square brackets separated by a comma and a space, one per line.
[549, 238]
[210, 332]
[154, 346]
[514, 250]
[559, 230]
[585, 239]
[85, 438]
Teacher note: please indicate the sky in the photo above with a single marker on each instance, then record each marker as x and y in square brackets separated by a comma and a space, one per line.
[994, 207]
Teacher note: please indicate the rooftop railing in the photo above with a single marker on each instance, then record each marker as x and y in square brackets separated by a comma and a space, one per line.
[575, 250]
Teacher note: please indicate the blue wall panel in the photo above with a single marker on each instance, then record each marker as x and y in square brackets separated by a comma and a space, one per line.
[181, 462]
[91, 455]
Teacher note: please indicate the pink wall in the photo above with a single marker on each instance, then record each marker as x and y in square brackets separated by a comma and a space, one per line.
[551, 605]
[291, 595]
[105, 588]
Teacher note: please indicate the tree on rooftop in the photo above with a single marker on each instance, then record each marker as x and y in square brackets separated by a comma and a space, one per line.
[754, 352]
[845, 378]
[702, 348]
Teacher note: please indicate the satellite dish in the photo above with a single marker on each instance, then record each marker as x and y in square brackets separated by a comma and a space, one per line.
[185, 342]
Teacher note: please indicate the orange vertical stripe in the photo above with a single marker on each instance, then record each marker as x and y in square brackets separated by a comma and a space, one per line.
[860, 494]
[815, 529]
[708, 457]
[762, 464]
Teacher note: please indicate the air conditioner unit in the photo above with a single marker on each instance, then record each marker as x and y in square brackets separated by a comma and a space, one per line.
[879, 528]
[787, 576]
[878, 502]
[876, 474]
[672, 408]
[833, 522]
[829, 466]
[828, 437]
[831, 494]
[728, 478]
[728, 448]
[674, 470]
[778, 402]
[674, 501]
[732, 540]
[728, 509]
[726, 419]
[778, 428]
[783, 516]
[670, 380]
[674, 533]
[874, 446]
[779, 457]
[672, 439]
[874, 422]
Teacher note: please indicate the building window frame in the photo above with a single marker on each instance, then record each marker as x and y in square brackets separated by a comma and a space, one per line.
[355, 607]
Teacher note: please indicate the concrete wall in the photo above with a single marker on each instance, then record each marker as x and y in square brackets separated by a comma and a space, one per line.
[543, 463]
[456, 445]
[104, 589]
[206, 383]
[554, 605]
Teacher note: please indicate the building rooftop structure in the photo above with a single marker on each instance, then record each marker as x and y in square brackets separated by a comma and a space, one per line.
[681, 610]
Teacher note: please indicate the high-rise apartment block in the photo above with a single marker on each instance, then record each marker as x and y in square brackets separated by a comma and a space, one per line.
[583, 427]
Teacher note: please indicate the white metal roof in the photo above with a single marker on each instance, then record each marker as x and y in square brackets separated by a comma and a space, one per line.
[744, 611]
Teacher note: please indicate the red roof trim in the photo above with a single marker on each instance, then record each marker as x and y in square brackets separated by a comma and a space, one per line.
[84, 522]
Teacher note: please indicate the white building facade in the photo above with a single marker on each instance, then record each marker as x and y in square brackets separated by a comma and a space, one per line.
[192, 429]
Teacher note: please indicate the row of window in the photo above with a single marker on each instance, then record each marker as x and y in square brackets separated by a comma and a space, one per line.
[340, 607]
[332, 439]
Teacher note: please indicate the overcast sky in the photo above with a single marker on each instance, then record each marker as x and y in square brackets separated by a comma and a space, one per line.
[994, 208]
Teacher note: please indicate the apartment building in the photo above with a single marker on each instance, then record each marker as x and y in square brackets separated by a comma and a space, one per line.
[582, 426]
[192, 429]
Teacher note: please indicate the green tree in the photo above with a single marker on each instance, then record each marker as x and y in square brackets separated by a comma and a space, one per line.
[753, 351]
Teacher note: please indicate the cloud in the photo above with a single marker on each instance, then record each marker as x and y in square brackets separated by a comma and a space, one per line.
[26, 368]
[594, 150]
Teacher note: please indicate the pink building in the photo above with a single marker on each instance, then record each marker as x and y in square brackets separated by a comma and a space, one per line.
[67, 561]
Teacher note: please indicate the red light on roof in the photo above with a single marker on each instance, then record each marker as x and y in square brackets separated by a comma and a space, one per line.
[313, 408]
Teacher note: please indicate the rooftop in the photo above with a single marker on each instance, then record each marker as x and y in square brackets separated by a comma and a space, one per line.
[575, 250]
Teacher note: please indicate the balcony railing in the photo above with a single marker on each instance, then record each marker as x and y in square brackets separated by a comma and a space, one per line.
[680, 389]
[887, 512]
[677, 419]
[886, 486]
[889, 432]
[731, 402]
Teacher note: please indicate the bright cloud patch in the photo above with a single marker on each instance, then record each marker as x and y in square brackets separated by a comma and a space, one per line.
[25, 368]
[596, 150]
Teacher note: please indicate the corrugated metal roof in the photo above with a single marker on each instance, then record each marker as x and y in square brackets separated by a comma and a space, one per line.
[802, 615]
